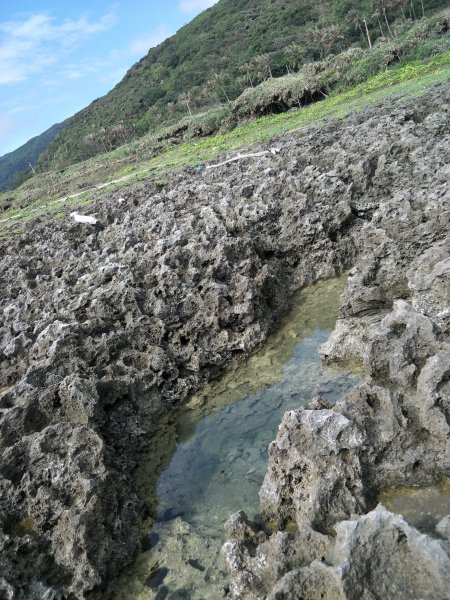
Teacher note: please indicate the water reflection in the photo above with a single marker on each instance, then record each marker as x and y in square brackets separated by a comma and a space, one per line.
[209, 459]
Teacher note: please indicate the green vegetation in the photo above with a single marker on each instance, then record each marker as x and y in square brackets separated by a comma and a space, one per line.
[149, 158]
[16, 166]
[351, 67]
[235, 45]
[416, 55]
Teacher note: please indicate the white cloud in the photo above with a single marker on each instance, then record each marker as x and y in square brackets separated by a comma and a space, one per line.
[110, 68]
[190, 6]
[142, 44]
[7, 125]
[35, 27]
[30, 45]
[73, 73]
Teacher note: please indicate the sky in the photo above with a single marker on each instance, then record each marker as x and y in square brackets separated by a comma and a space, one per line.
[57, 56]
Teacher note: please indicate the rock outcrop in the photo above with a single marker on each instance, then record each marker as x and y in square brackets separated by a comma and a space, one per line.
[105, 328]
[377, 555]
[328, 464]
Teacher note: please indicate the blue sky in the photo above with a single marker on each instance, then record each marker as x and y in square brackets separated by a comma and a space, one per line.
[56, 56]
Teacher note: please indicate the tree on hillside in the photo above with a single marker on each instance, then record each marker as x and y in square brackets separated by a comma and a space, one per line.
[355, 13]
[399, 5]
[171, 108]
[263, 66]
[108, 138]
[375, 17]
[422, 6]
[408, 6]
[247, 77]
[217, 82]
[292, 55]
[367, 33]
[119, 133]
[324, 38]
[186, 99]
[258, 69]
[207, 95]
[423, 9]
[381, 8]
[354, 18]
[99, 139]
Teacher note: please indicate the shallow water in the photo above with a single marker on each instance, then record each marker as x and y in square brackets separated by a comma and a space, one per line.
[422, 507]
[209, 459]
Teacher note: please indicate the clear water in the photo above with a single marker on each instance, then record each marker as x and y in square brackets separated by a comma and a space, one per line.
[209, 459]
[422, 507]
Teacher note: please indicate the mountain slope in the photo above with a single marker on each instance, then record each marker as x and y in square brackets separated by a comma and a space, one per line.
[19, 161]
[173, 77]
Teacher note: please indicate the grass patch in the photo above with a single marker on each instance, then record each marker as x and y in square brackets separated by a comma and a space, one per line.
[28, 202]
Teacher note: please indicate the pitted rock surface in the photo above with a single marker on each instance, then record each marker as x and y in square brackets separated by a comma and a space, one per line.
[327, 464]
[105, 328]
[376, 556]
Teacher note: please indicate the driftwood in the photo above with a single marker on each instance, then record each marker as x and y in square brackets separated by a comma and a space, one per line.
[83, 218]
[241, 156]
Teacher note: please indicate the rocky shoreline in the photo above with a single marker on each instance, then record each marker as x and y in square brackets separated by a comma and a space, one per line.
[328, 464]
[105, 328]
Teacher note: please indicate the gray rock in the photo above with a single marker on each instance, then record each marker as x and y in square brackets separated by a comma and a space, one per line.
[381, 556]
[327, 465]
[310, 443]
[443, 527]
[129, 319]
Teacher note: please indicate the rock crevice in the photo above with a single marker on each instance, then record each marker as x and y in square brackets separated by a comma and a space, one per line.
[104, 329]
[328, 465]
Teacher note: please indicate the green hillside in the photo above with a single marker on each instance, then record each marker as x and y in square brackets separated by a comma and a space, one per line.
[15, 166]
[54, 194]
[234, 45]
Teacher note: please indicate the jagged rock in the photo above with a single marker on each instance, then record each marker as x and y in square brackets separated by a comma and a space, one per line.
[315, 582]
[376, 556]
[443, 527]
[6, 590]
[328, 464]
[381, 556]
[253, 571]
[240, 527]
[310, 443]
[104, 333]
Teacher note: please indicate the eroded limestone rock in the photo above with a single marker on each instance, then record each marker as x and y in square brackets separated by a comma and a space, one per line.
[103, 330]
[327, 465]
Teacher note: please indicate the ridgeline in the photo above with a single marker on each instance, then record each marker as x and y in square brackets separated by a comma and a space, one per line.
[16, 166]
[234, 45]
